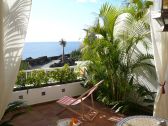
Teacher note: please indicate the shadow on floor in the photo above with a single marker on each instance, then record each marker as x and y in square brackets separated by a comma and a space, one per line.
[46, 114]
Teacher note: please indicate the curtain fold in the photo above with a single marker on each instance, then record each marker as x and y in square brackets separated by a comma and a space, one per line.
[14, 16]
[160, 48]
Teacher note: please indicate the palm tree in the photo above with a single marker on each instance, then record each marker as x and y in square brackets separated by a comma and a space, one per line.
[116, 55]
[63, 44]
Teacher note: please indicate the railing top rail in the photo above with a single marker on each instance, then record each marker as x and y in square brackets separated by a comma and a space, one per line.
[47, 69]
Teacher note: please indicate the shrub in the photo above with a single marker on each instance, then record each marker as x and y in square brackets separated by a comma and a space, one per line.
[76, 55]
[56, 75]
[24, 65]
[37, 78]
[21, 79]
[64, 74]
[40, 77]
[69, 74]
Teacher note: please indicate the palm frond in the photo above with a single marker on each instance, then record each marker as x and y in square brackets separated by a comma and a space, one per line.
[62, 42]
[16, 21]
[14, 106]
[142, 60]
[109, 14]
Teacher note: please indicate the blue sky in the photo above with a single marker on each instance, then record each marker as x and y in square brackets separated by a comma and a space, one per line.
[51, 20]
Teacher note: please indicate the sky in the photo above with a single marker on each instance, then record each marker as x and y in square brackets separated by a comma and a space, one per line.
[51, 20]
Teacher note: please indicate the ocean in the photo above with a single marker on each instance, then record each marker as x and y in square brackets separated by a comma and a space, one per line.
[38, 49]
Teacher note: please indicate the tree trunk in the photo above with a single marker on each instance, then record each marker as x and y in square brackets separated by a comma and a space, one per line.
[63, 54]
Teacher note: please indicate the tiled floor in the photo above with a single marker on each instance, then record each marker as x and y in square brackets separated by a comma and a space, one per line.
[47, 115]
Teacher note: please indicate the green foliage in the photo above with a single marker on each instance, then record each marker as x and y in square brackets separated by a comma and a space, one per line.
[39, 78]
[116, 57]
[140, 7]
[131, 105]
[15, 106]
[64, 74]
[24, 65]
[21, 79]
[14, 109]
[76, 55]
[35, 78]
[130, 108]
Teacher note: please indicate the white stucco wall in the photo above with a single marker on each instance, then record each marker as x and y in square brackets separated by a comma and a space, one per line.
[34, 96]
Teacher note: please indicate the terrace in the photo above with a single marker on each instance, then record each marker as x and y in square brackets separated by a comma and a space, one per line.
[121, 57]
[46, 114]
[42, 99]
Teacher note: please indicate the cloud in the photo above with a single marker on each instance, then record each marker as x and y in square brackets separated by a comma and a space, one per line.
[87, 1]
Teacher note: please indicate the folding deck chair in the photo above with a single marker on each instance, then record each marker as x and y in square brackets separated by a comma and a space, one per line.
[68, 102]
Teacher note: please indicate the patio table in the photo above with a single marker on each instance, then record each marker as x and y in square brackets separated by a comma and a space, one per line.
[142, 121]
[66, 122]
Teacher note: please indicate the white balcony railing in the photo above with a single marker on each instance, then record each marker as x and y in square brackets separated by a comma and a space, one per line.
[29, 72]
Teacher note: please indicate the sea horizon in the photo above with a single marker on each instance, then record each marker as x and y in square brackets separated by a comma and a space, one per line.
[49, 41]
[49, 49]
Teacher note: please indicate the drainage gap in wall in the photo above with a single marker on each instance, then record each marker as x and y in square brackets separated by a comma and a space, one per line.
[21, 97]
[43, 93]
[63, 90]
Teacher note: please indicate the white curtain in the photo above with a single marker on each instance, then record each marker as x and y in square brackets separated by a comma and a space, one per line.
[160, 46]
[14, 15]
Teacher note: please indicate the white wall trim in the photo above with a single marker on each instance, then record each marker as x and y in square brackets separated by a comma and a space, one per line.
[49, 93]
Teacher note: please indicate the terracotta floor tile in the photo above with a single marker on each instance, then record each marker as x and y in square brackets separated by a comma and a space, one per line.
[47, 115]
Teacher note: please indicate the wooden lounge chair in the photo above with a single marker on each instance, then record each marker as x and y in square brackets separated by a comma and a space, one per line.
[69, 102]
